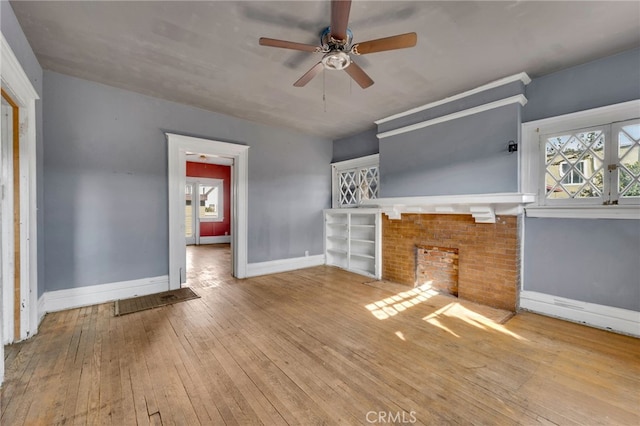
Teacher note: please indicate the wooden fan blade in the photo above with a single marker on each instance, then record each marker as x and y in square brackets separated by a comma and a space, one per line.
[359, 75]
[315, 70]
[340, 18]
[272, 42]
[388, 43]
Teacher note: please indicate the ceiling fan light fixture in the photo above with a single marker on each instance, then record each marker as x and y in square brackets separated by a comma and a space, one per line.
[336, 44]
[336, 60]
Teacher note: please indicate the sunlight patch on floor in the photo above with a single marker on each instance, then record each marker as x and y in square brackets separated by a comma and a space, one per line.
[455, 310]
[390, 306]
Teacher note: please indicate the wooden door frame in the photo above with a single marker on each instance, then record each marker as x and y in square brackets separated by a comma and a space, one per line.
[18, 87]
[14, 210]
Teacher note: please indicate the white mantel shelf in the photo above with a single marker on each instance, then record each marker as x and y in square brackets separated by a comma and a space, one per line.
[483, 207]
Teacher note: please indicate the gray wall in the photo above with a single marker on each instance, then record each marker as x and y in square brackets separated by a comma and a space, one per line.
[471, 101]
[606, 81]
[464, 156]
[21, 48]
[591, 260]
[354, 146]
[106, 172]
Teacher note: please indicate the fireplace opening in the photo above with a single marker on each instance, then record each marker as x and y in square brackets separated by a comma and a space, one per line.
[437, 267]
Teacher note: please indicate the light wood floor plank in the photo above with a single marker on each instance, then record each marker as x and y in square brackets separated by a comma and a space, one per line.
[316, 346]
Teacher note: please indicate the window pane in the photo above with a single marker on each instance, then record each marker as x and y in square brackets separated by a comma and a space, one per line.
[629, 161]
[208, 201]
[574, 165]
[369, 183]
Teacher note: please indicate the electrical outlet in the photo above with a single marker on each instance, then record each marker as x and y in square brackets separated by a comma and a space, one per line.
[306, 253]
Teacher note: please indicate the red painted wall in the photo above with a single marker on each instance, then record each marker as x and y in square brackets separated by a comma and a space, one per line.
[214, 171]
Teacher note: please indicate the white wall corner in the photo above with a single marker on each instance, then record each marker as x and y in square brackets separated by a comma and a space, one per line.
[619, 320]
[284, 265]
[60, 300]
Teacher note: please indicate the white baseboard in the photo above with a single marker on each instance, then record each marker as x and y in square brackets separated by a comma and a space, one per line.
[42, 309]
[283, 265]
[59, 300]
[216, 240]
[609, 318]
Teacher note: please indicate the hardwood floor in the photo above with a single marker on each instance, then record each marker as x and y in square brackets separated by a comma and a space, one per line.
[318, 346]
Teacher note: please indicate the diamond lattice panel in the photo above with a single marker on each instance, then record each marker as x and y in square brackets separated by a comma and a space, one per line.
[629, 161]
[348, 188]
[575, 165]
[369, 183]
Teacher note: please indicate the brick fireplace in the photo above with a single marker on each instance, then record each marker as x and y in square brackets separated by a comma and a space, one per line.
[487, 255]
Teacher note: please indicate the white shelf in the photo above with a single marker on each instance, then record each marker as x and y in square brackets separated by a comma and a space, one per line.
[362, 255]
[335, 251]
[353, 240]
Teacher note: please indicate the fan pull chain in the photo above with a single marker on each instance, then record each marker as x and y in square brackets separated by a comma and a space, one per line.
[324, 92]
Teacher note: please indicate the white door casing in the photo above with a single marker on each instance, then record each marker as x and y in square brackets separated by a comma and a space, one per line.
[178, 146]
[17, 84]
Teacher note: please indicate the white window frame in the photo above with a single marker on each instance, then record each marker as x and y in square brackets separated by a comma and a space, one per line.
[219, 183]
[615, 128]
[531, 174]
[572, 202]
[342, 166]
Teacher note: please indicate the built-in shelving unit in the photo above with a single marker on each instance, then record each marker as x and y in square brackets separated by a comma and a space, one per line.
[352, 240]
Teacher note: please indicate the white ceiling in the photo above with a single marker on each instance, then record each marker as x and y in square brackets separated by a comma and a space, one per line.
[206, 54]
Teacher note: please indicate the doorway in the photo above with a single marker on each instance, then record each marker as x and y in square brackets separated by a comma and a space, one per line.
[208, 220]
[178, 148]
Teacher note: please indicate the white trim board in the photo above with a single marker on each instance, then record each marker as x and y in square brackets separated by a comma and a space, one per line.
[606, 317]
[501, 82]
[519, 99]
[585, 212]
[284, 265]
[59, 300]
[357, 162]
[219, 239]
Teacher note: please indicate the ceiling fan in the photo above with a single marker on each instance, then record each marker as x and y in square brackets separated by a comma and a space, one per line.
[336, 44]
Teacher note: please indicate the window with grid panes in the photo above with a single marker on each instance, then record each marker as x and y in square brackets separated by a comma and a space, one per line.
[594, 165]
[355, 180]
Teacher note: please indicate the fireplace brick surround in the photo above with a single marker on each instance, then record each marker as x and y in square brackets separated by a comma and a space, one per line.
[488, 253]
